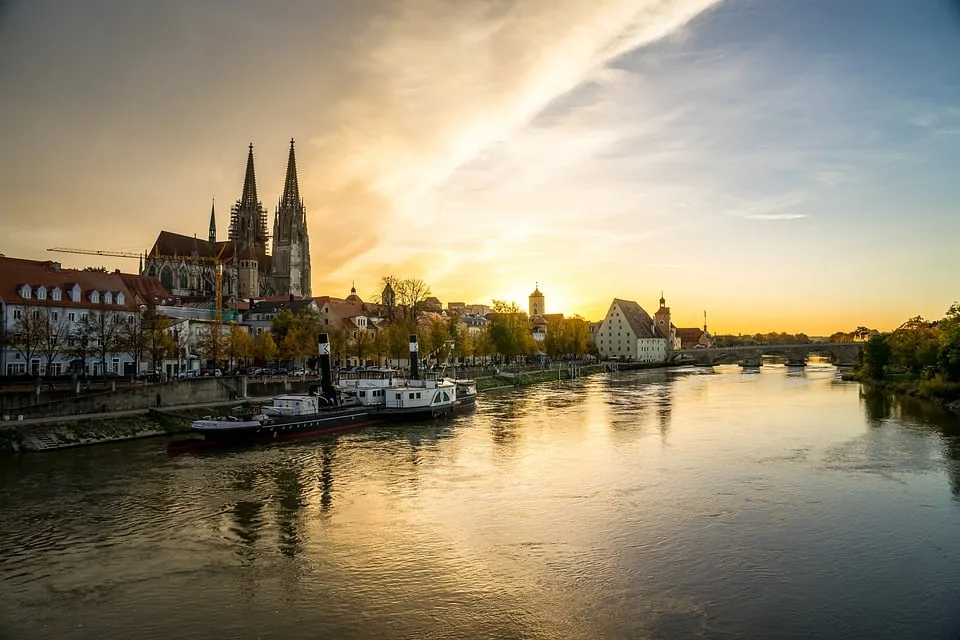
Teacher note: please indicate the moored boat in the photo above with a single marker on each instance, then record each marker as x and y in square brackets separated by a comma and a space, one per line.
[292, 416]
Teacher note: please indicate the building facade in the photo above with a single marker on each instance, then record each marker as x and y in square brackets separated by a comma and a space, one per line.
[628, 333]
[188, 266]
[56, 321]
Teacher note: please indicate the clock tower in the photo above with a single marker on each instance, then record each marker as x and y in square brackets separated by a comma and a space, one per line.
[661, 320]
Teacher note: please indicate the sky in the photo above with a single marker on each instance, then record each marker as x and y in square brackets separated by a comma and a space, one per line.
[782, 165]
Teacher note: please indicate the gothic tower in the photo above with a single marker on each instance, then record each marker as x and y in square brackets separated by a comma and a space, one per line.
[536, 302]
[291, 244]
[248, 232]
[212, 236]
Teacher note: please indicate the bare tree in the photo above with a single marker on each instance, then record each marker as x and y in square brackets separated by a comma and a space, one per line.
[106, 335]
[54, 334]
[25, 336]
[80, 342]
[412, 293]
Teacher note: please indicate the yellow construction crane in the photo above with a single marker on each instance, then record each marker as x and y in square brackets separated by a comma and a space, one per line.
[217, 261]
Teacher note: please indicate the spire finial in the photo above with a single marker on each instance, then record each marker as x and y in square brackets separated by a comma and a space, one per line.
[249, 196]
[213, 221]
[291, 187]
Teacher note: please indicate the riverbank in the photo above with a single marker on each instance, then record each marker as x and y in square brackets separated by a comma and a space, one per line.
[44, 434]
[946, 394]
[62, 433]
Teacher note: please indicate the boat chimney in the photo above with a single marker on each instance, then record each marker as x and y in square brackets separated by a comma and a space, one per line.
[326, 382]
[414, 357]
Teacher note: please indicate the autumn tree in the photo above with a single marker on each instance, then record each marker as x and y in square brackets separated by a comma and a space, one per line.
[133, 339]
[360, 342]
[510, 330]
[264, 347]
[239, 344]
[159, 342]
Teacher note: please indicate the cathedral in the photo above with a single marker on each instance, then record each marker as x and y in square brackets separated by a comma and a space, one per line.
[187, 265]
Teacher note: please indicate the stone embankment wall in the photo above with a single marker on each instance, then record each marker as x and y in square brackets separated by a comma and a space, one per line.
[171, 394]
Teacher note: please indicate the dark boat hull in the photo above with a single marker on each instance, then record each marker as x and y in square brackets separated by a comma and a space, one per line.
[294, 427]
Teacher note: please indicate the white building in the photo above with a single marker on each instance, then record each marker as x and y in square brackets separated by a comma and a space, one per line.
[629, 333]
[44, 309]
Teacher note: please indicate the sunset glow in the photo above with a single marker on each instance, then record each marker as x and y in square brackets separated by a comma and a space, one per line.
[785, 166]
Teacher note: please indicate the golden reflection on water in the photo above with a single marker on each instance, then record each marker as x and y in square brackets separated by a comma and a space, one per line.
[658, 503]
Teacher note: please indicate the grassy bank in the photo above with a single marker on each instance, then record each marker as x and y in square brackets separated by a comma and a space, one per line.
[939, 391]
[73, 433]
[511, 379]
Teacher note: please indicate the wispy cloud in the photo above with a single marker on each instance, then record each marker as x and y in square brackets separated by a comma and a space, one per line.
[775, 216]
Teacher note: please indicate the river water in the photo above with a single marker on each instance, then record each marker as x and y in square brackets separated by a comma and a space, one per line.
[657, 504]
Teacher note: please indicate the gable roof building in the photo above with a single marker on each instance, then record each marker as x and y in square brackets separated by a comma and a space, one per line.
[628, 332]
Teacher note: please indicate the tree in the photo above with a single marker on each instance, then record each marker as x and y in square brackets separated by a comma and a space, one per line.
[509, 330]
[26, 335]
[213, 344]
[410, 294]
[80, 343]
[158, 341]
[948, 349]
[54, 334]
[361, 341]
[396, 338]
[379, 344]
[133, 339]
[264, 347]
[914, 345]
[876, 356]
[239, 344]
[105, 330]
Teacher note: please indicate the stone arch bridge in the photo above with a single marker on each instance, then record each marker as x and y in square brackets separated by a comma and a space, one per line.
[839, 353]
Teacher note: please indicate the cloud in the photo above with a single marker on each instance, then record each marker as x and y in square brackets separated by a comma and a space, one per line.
[775, 216]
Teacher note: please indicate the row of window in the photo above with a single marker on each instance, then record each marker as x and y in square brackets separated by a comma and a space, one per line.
[55, 315]
[56, 294]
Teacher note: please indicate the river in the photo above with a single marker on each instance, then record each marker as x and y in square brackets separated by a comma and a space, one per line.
[657, 504]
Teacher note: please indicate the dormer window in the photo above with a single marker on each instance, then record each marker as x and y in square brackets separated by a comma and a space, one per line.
[25, 291]
[120, 297]
[41, 293]
[55, 294]
[107, 297]
[95, 297]
[75, 293]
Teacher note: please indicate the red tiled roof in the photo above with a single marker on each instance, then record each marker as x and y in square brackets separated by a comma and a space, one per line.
[15, 272]
[146, 288]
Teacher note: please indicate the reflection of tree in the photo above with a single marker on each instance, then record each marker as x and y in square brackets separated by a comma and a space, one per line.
[326, 477]
[878, 405]
[665, 407]
[289, 503]
[247, 520]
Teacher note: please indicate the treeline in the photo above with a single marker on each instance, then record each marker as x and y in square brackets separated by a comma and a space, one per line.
[760, 338]
[917, 348]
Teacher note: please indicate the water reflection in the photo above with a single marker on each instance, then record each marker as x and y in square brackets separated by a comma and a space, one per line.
[783, 507]
[881, 406]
